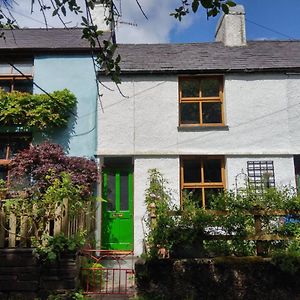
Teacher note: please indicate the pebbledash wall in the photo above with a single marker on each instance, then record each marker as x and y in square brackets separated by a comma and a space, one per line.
[260, 113]
[76, 73]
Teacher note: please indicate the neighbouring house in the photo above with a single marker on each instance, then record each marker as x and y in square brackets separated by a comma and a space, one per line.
[209, 116]
[41, 61]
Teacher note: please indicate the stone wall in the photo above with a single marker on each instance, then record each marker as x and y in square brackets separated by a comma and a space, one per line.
[22, 277]
[221, 278]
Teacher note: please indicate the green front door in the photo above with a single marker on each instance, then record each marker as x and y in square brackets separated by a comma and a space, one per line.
[117, 210]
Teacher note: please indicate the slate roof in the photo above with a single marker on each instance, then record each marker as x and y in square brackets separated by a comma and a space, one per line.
[210, 57]
[41, 39]
[164, 58]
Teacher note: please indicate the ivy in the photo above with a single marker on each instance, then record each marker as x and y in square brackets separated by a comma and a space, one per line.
[41, 111]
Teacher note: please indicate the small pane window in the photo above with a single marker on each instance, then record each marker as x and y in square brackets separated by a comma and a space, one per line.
[211, 112]
[23, 86]
[192, 171]
[212, 170]
[190, 88]
[111, 192]
[210, 194]
[201, 100]
[124, 193]
[202, 179]
[195, 195]
[12, 79]
[189, 113]
[210, 87]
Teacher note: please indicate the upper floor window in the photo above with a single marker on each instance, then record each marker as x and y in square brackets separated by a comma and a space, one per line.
[201, 101]
[202, 177]
[17, 76]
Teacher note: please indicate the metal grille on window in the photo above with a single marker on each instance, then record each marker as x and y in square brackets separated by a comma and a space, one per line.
[261, 175]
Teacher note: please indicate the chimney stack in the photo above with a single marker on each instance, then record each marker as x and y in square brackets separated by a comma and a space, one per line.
[99, 15]
[231, 29]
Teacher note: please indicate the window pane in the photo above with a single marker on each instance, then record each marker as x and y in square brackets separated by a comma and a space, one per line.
[111, 192]
[3, 147]
[189, 113]
[23, 86]
[212, 170]
[18, 144]
[210, 194]
[194, 195]
[124, 191]
[3, 173]
[5, 69]
[190, 88]
[211, 112]
[5, 85]
[24, 67]
[210, 87]
[191, 171]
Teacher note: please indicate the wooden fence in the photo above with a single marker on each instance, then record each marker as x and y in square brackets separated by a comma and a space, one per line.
[260, 236]
[17, 230]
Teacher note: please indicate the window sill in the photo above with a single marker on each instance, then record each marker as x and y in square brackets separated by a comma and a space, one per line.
[203, 128]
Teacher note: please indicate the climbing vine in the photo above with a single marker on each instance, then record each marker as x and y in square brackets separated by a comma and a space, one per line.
[41, 111]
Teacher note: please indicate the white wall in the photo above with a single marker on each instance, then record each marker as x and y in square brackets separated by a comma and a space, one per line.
[169, 167]
[259, 111]
[283, 169]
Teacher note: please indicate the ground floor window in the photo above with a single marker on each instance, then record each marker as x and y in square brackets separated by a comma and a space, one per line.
[201, 178]
[10, 144]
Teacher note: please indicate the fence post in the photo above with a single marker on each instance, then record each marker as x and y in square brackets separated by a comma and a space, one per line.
[2, 224]
[12, 230]
[152, 209]
[258, 231]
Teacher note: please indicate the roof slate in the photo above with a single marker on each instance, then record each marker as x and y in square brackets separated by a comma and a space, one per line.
[39, 39]
[208, 57]
[165, 58]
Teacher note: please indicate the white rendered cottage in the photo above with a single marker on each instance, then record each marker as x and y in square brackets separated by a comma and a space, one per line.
[202, 114]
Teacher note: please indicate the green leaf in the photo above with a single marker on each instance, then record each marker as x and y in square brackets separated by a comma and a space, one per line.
[63, 10]
[231, 3]
[195, 5]
[225, 8]
[207, 3]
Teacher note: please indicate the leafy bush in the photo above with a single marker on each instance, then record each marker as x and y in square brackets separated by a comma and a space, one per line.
[41, 111]
[45, 162]
[53, 247]
[189, 230]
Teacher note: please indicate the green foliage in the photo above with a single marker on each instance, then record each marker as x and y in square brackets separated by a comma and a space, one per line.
[52, 247]
[93, 277]
[42, 111]
[40, 208]
[73, 295]
[212, 7]
[189, 231]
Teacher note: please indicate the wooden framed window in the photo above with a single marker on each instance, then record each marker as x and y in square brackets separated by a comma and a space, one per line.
[201, 101]
[201, 178]
[13, 80]
[10, 144]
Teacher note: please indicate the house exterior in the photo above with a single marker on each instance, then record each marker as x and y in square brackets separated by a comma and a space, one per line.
[209, 116]
[45, 61]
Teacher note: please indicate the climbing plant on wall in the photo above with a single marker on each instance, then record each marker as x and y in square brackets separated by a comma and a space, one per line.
[40, 111]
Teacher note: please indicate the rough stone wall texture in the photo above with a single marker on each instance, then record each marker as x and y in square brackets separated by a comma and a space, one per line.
[22, 277]
[233, 278]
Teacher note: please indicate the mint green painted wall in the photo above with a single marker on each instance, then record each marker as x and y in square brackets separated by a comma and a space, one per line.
[76, 73]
